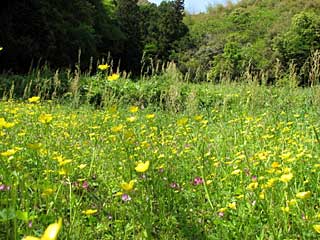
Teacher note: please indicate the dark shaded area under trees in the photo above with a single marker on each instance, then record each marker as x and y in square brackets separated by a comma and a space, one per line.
[51, 32]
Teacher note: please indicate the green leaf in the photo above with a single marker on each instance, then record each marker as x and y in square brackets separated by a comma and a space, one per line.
[24, 216]
[7, 214]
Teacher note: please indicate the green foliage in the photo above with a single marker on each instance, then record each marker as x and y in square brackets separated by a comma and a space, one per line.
[249, 36]
[300, 41]
[163, 29]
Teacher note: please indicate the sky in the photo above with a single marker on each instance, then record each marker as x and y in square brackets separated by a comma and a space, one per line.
[196, 6]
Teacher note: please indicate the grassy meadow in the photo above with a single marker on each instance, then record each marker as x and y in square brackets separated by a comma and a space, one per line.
[225, 161]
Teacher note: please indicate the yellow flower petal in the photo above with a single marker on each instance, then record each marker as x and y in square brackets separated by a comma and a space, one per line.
[128, 186]
[316, 228]
[52, 231]
[34, 99]
[90, 212]
[45, 118]
[133, 109]
[232, 205]
[303, 195]
[142, 167]
[286, 177]
[113, 77]
[252, 186]
[103, 67]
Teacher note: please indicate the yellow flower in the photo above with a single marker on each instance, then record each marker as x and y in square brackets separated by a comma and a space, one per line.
[113, 77]
[142, 167]
[236, 172]
[241, 196]
[45, 118]
[82, 166]
[150, 116]
[133, 109]
[33, 99]
[285, 209]
[316, 228]
[128, 186]
[303, 195]
[131, 119]
[286, 177]
[275, 165]
[292, 202]
[103, 67]
[222, 210]
[232, 205]
[182, 121]
[9, 152]
[51, 233]
[270, 183]
[90, 212]
[117, 128]
[252, 186]
[62, 171]
[118, 194]
[1, 48]
[5, 124]
[198, 118]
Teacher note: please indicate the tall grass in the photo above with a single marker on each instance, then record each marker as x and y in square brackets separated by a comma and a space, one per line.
[226, 161]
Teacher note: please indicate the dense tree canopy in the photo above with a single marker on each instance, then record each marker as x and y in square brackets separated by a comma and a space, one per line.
[52, 32]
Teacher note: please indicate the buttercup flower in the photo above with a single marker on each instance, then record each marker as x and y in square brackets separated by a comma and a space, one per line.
[252, 186]
[113, 77]
[142, 167]
[286, 177]
[33, 99]
[232, 205]
[133, 109]
[45, 118]
[316, 228]
[90, 211]
[128, 186]
[51, 233]
[103, 67]
[303, 195]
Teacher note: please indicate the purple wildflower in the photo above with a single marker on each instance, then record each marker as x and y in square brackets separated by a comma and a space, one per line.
[197, 181]
[85, 185]
[174, 185]
[221, 214]
[3, 187]
[125, 197]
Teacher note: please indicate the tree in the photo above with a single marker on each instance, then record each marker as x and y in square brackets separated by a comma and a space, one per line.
[128, 16]
[299, 42]
[53, 32]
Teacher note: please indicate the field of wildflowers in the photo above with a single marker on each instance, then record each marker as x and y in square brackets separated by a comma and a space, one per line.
[246, 167]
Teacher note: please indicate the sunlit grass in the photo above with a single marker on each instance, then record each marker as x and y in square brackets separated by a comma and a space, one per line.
[244, 167]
